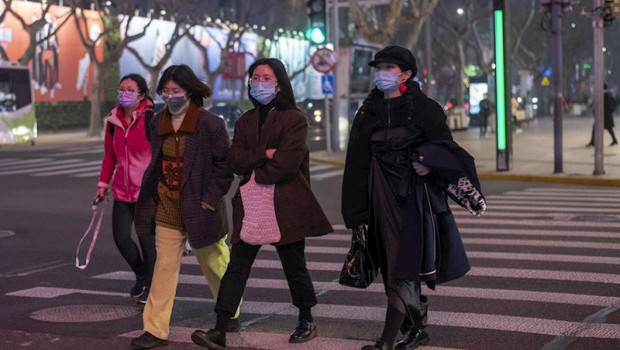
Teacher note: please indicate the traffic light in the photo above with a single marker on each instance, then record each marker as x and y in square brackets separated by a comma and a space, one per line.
[316, 32]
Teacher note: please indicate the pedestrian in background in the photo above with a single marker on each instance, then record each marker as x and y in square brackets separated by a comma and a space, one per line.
[182, 196]
[402, 202]
[127, 153]
[485, 109]
[609, 106]
[269, 146]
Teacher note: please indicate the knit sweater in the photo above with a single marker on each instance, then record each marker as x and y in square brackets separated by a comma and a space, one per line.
[168, 212]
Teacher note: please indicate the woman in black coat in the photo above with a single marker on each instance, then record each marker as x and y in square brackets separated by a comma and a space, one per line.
[386, 187]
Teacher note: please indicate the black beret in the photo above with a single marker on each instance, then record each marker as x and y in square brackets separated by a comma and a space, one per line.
[397, 55]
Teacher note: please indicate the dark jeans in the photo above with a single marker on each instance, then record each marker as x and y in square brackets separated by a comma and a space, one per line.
[242, 257]
[141, 264]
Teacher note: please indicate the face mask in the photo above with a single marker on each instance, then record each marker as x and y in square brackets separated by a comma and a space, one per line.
[175, 103]
[386, 80]
[263, 91]
[127, 99]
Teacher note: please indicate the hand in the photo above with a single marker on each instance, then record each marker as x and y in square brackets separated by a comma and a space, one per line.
[420, 169]
[270, 152]
[101, 192]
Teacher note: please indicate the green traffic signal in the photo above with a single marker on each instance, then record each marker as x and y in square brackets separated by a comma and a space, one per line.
[316, 35]
[316, 32]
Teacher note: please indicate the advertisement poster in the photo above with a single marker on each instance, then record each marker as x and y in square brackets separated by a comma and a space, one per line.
[60, 67]
[152, 47]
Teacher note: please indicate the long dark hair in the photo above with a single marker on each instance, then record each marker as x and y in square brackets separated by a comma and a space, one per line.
[285, 99]
[181, 74]
[143, 88]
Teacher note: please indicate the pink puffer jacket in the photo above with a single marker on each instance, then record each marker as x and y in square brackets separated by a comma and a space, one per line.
[128, 151]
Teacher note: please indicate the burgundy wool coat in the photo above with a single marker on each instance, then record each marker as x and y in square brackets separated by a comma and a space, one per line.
[298, 213]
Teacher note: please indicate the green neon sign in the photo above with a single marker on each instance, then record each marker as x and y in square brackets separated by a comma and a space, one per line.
[500, 80]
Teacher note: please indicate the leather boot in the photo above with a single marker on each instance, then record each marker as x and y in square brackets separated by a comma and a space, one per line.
[415, 335]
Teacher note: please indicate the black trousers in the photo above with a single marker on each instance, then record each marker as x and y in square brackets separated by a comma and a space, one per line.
[242, 257]
[141, 261]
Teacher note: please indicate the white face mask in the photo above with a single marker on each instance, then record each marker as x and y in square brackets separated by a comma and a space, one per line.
[264, 91]
[386, 81]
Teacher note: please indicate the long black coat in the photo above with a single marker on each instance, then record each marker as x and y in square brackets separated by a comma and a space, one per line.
[205, 177]
[609, 106]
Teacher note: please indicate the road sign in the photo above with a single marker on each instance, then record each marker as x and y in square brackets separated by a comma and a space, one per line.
[327, 84]
[323, 60]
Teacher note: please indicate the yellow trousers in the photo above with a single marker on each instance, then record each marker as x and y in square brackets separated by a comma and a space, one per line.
[170, 244]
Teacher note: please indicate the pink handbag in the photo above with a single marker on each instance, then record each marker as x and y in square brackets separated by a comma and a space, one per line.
[259, 225]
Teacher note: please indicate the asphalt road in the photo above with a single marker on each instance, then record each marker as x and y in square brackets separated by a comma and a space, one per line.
[545, 270]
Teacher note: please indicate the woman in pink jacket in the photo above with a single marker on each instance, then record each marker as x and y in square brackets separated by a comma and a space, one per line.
[128, 151]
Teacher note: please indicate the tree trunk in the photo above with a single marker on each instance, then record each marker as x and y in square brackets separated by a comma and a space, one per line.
[96, 121]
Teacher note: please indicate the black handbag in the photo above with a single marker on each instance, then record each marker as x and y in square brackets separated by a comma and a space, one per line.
[358, 270]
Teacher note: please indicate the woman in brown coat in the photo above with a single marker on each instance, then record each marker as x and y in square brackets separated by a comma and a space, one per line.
[270, 144]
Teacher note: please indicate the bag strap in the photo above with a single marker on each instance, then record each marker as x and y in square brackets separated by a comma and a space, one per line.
[98, 216]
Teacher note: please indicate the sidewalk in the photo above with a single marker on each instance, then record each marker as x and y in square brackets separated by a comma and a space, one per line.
[533, 154]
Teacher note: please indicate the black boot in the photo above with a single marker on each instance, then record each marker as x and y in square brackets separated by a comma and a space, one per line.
[413, 339]
[380, 345]
[415, 335]
[304, 332]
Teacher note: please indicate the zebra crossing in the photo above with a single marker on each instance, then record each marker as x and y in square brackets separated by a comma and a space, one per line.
[545, 274]
[76, 167]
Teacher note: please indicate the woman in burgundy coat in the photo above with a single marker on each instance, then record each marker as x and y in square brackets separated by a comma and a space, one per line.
[270, 142]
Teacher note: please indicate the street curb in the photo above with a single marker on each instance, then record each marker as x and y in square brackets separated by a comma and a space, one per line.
[499, 176]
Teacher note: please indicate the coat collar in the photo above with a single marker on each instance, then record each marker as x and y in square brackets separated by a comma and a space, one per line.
[188, 125]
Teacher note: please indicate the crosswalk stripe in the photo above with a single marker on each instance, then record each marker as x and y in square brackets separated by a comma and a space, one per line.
[90, 174]
[35, 165]
[317, 167]
[495, 231]
[556, 275]
[6, 160]
[25, 161]
[530, 199]
[326, 175]
[81, 168]
[566, 190]
[615, 211]
[556, 224]
[540, 203]
[48, 168]
[377, 313]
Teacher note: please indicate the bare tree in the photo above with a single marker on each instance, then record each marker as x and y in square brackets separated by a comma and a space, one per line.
[114, 45]
[237, 15]
[34, 28]
[374, 27]
[458, 32]
[414, 17]
[159, 62]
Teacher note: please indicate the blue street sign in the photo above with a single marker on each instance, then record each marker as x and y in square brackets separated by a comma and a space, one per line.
[327, 84]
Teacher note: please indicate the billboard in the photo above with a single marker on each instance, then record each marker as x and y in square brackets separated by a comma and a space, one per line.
[152, 46]
[60, 67]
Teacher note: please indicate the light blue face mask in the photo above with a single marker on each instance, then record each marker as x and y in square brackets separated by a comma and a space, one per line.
[263, 91]
[386, 80]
